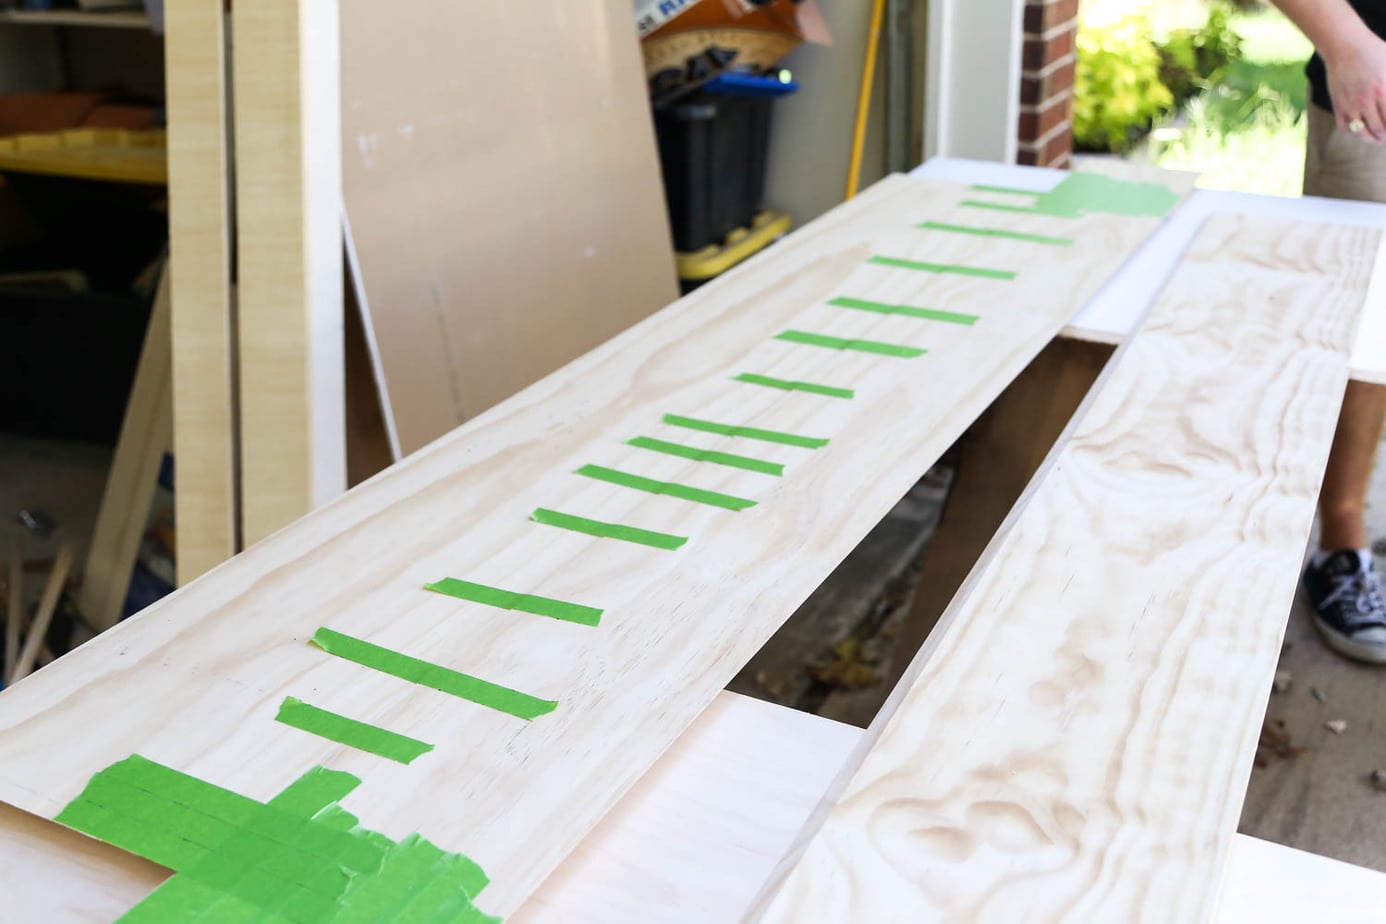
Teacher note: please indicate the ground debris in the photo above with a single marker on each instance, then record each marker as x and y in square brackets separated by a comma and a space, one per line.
[1337, 726]
[1377, 779]
[1282, 682]
[1318, 695]
[850, 668]
[1275, 744]
[776, 684]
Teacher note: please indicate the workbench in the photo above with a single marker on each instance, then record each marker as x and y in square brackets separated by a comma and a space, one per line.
[698, 836]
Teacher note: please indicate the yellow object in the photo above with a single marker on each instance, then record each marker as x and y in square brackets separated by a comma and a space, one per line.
[868, 77]
[89, 153]
[740, 244]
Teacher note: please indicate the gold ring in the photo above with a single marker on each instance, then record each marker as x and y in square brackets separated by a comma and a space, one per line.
[1357, 126]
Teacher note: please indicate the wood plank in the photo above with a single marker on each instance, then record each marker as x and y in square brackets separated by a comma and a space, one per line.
[289, 260]
[491, 257]
[690, 843]
[199, 257]
[144, 438]
[1078, 741]
[676, 624]
[43, 617]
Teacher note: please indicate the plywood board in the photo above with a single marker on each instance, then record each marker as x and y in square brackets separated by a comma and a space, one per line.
[505, 202]
[289, 260]
[200, 257]
[144, 438]
[1077, 744]
[194, 681]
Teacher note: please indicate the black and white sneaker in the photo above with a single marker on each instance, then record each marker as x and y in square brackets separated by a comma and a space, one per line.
[1348, 605]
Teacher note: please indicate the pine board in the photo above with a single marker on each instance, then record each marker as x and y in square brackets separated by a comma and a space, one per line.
[289, 260]
[1077, 745]
[200, 260]
[194, 680]
[490, 256]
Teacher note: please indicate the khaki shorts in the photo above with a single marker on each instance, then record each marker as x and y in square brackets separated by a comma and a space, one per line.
[1339, 166]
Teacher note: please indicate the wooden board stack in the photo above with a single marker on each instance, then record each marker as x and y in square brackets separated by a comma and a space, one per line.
[605, 550]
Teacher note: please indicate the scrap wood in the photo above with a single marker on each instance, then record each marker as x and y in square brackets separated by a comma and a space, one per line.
[48, 603]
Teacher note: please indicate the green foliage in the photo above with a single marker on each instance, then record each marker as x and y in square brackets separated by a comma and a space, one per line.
[1195, 59]
[1118, 91]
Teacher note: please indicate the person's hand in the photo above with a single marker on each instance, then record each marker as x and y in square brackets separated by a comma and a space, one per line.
[1357, 85]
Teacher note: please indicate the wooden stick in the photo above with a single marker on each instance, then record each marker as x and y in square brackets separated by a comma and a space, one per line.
[14, 617]
[48, 603]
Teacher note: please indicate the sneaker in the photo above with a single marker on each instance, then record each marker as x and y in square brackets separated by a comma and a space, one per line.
[1348, 605]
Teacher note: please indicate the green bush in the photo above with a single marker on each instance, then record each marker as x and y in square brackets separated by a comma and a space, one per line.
[1195, 59]
[1118, 91]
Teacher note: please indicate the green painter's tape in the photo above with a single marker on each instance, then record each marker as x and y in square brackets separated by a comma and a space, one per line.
[434, 676]
[942, 268]
[606, 530]
[750, 433]
[707, 455]
[830, 391]
[841, 343]
[1089, 193]
[298, 859]
[1001, 207]
[359, 735]
[650, 485]
[511, 600]
[997, 232]
[928, 314]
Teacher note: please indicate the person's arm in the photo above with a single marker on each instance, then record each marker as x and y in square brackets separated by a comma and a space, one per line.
[1355, 58]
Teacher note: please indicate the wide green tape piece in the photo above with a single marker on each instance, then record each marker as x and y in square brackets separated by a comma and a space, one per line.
[604, 530]
[707, 455]
[434, 676]
[359, 735]
[908, 311]
[512, 600]
[650, 485]
[997, 232]
[298, 859]
[750, 433]
[830, 391]
[842, 343]
[942, 268]
[1083, 193]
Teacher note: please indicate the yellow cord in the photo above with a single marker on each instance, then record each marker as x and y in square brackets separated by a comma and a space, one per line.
[868, 78]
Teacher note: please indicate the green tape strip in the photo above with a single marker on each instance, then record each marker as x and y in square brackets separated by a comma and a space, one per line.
[997, 232]
[299, 858]
[983, 187]
[359, 735]
[604, 530]
[999, 207]
[707, 455]
[942, 268]
[650, 485]
[750, 433]
[928, 314]
[1087, 193]
[752, 378]
[511, 600]
[434, 676]
[841, 343]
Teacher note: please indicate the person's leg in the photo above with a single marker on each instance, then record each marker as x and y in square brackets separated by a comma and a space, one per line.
[1349, 607]
[1343, 498]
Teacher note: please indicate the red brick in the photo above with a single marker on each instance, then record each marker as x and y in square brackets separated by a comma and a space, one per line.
[1036, 122]
[1052, 151]
[1036, 89]
[1043, 15]
[1027, 158]
[1039, 52]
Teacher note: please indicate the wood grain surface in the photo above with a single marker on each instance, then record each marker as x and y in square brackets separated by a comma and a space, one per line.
[289, 260]
[204, 444]
[1076, 745]
[194, 680]
[504, 195]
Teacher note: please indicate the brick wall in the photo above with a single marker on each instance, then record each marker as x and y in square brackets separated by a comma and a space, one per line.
[1046, 83]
